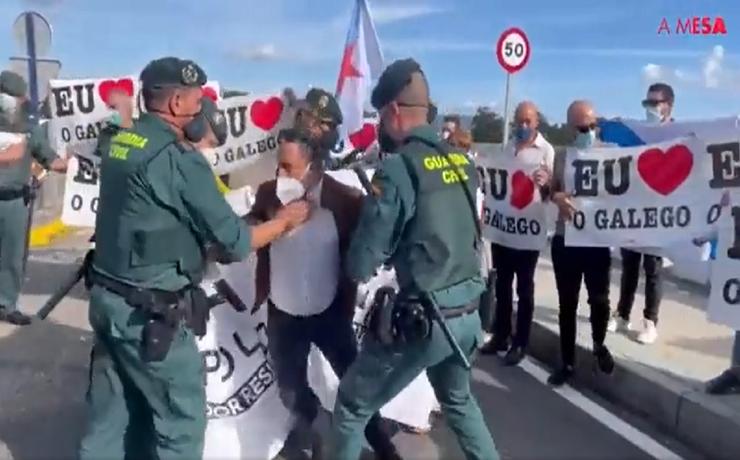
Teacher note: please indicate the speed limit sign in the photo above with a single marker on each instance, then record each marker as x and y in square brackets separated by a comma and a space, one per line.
[512, 50]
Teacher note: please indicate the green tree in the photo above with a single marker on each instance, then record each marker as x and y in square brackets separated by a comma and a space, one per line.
[487, 126]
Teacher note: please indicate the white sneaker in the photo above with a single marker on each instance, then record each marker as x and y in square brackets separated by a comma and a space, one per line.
[649, 333]
[618, 324]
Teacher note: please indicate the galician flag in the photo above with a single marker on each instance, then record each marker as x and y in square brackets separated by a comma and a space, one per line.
[362, 62]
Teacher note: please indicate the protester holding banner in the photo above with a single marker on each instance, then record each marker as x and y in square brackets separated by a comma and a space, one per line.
[158, 206]
[16, 197]
[311, 302]
[422, 219]
[531, 149]
[658, 108]
[576, 265]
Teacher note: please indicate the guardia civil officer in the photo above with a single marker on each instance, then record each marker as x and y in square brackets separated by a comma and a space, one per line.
[15, 196]
[422, 222]
[159, 206]
[319, 115]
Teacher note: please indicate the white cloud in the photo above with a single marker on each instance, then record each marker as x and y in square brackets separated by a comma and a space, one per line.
[713, 74]
[620, 52]
[264, 52]
[386, 14]
[432, 45]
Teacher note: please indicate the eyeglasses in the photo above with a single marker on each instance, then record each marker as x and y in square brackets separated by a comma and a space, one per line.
[586, 128]
[652, 102]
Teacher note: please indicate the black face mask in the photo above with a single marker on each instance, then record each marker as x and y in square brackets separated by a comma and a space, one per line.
[385, 141]
[195, 130]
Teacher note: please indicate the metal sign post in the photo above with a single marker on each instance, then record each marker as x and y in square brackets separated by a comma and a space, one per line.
[512, 52]
[33, 34]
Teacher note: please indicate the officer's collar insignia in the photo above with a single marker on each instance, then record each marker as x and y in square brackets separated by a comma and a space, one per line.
[323, 101]
[189, 74]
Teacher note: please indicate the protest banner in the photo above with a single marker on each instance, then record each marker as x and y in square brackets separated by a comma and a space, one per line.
[246, 417]
[81, 188]
[79, 109]
[724, 299]
[641, 196]
[514, 214]
[254, 124]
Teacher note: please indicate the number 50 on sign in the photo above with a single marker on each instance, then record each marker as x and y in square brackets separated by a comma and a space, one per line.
[512, 50]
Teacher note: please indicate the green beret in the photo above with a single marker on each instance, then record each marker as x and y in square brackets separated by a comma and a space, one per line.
[12, 84]
[323, 105]
[172, 71]
[394, 79]
[215, 118]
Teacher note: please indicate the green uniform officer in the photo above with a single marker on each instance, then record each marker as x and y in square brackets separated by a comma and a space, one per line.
[159, 208]
[419, 221]
[15, 197]
[319, 115]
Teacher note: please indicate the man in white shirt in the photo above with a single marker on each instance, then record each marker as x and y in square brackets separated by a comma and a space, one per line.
[310, 300]
[530, 147]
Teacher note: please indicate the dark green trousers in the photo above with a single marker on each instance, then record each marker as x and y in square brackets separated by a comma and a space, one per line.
[379, 373]
[13, 222]
[140, 410]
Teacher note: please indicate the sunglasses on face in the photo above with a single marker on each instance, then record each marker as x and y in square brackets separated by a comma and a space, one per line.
[652, 102]
[586, 128]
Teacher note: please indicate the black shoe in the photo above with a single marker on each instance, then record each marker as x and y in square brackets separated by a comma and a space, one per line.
[514, 356]
[559, 377]
[604, 359]
[724, 384]
[14, 317]
[493, 347]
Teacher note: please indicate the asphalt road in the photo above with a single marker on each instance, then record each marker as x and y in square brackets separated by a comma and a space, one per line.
[43, 374]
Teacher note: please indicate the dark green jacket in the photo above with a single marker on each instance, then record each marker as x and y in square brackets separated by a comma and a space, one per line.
[16, 175]
[159, 207]
[420, 222]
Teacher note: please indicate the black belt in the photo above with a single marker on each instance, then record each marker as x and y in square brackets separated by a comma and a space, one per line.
[136, 296]
[449, 313]
[12, 194]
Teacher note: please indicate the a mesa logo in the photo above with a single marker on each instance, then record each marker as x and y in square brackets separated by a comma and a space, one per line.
[696, 25]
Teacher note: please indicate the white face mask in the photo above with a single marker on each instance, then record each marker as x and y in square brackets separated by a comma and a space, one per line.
[8, 104]
[208, 152]
[653, 115]
[289, 189]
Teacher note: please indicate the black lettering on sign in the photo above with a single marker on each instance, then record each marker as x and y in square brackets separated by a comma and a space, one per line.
[617, 221]
[651, 217]
[579, 220]
[237, 117]
[251, 151]
[731, 291]
[601, 221]
[498, 185]
[262, 146]
[94, 205]
[683, 216]
[88, 131]
[66, 135]
[229, 155]
[714, 213]
[64, 99]
[272, 142]
[586, 183]
[240, 153]
[510, 222]
[86, 171]
[734, 251]
[486, 215]
[534, 227]
[76, 202]
[481, 179]
[725, 165]
[624, 176]
[633, 221]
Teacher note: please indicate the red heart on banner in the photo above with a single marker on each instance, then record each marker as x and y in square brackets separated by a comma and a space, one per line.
[210, 93]
[665, 171]
[522, 190]
[106, 87]
[265, 115]
[363, 138]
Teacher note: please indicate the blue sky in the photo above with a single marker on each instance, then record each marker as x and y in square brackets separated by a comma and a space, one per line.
[605, 51]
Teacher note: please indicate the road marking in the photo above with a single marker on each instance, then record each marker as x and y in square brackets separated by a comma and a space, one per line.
[606, 418]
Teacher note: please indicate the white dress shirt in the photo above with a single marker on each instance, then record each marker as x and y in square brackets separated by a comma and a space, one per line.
[540, 153]
[304, 264]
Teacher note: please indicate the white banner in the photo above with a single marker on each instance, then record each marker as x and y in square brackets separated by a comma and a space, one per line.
[79, 109]
[651, 195]
[247, 419]
[724, 299]
[514, 214]
[254, 124]
[81, 188]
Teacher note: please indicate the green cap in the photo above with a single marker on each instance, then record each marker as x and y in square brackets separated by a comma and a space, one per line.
[322, 104]
[172, 71]
[395, 78]
[12, 84]
[215, 118]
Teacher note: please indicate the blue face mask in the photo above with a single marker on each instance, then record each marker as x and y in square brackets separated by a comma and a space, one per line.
[523, 133]
[585, 140]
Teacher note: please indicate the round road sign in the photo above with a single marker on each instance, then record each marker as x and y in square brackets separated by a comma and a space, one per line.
[512, 50]
[41, 32]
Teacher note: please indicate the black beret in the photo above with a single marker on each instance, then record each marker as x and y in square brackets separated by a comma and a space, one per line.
[394, 79]
[215, 118]
[172, 71]
[12, 84]
[323, 105]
